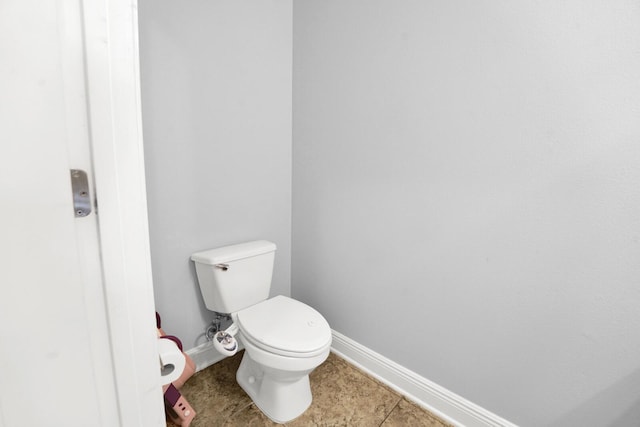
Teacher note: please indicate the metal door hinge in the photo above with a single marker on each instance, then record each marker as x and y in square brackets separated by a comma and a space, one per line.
[81, 196]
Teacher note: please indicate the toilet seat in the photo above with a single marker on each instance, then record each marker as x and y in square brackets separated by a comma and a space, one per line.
[284, 326]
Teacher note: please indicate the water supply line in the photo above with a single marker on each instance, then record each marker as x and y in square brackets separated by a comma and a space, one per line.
[216, 325]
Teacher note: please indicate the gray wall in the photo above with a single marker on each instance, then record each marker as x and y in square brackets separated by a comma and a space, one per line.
[216, 92]
[465, 180]
[466, 195]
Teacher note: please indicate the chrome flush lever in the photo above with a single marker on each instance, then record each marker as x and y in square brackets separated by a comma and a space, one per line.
[223, 267]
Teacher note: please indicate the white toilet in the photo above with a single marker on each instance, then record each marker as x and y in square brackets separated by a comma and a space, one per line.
[284, 339]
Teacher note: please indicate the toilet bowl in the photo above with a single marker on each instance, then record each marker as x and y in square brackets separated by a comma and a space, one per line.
[284, 339]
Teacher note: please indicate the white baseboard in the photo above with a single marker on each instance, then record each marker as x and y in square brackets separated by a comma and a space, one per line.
[206, 355]
[438, 400]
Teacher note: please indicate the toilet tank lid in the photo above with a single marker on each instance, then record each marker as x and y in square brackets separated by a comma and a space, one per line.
[234, 252]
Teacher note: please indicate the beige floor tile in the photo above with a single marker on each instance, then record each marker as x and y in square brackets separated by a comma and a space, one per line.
[249, 416]
[214, 393]
[409, 414]
[344, 396]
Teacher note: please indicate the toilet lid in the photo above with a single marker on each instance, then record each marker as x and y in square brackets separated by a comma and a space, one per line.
[284, 324]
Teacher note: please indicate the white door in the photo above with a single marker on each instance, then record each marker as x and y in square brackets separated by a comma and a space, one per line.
[56, 358]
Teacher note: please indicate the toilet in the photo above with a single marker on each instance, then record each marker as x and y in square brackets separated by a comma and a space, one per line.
[284, 339]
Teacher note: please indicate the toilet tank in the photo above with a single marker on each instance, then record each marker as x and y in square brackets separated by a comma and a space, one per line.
[235, 277]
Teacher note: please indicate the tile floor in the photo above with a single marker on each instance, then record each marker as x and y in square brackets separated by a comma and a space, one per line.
[342, 396]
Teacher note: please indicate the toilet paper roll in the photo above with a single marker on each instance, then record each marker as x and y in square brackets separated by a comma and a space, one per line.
[172, 361]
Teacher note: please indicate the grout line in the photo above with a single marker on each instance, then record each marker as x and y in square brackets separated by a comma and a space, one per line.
[240, 409]
[379, 383]
[391, 411]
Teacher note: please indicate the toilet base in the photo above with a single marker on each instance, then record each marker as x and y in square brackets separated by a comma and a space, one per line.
[279, 396]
